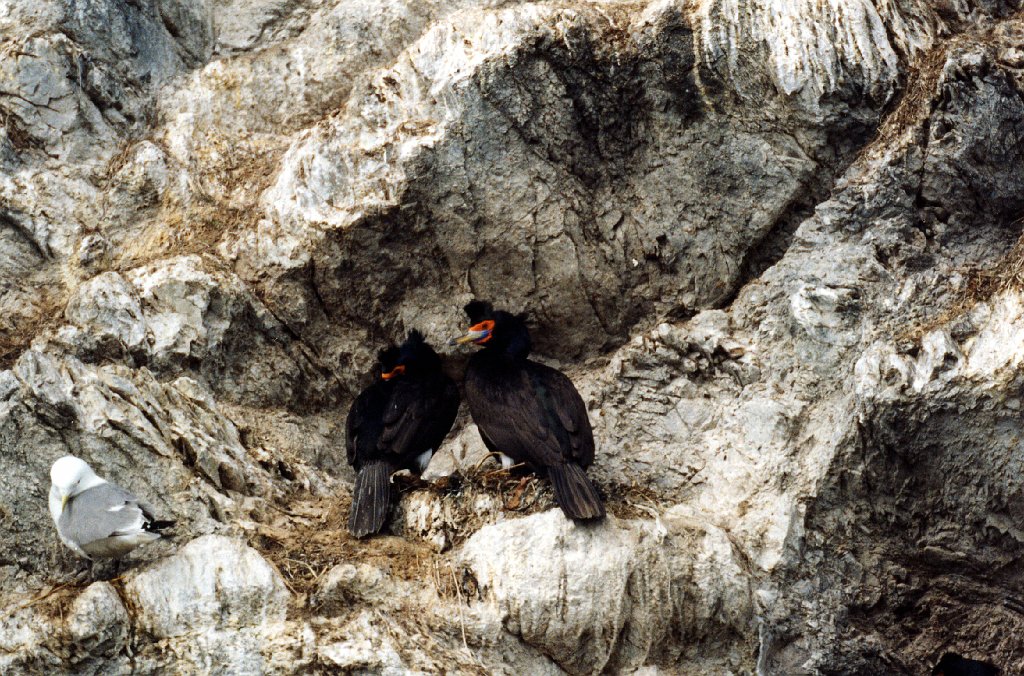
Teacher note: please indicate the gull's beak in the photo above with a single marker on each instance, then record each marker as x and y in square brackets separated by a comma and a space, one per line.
[470, 337]
[63, 500]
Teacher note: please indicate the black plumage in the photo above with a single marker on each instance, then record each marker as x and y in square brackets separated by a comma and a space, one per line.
[952, 664]
[528, 411]
[396, 423]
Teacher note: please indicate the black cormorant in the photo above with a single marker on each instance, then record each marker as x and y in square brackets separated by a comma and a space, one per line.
[396, 423]
[528, 412]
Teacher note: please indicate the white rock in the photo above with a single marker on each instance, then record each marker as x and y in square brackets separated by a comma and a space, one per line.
[108, 307]
[368, 647]
[825, 313]
[812, 46]
[602, 597]
[98, 622]
[214, 582]
[23, 633]
[351, 583]
[177, 296]
[720, 224]
[1000, 343]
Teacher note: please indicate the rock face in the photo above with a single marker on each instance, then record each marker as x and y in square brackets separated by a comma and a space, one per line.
[212, 583]
[615, 597]
[217, 598]
[776, 245]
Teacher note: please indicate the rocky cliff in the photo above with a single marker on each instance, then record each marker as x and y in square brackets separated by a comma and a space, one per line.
[775, 244]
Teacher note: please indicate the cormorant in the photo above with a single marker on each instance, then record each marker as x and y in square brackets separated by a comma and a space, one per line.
[528, 412]
[952, 664]
[396, 423]
[95, 518]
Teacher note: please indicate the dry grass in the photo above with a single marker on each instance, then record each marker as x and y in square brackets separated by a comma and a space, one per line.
[19, 137]
[226, 186]
[915, 104]
[982, 284]
[52, 603]
[1005, 275]
[310, 536]
[17, 333]
[622, 500]
[634, 501]
[921, 91]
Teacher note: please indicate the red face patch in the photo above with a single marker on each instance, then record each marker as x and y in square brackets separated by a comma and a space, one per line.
[397, 371]
[486, 325]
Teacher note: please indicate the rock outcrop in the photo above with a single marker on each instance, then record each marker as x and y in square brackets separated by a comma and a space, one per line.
[776, 245]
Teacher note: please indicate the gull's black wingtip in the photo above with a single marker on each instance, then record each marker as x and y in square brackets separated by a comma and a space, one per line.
[157, 525]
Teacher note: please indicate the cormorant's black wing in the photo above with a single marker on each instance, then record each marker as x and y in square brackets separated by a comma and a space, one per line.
[419, 415]
[568, 406]
[534, 415]
[371, 495]
[362, 421]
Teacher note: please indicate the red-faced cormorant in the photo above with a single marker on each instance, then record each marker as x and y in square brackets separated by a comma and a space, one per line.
[529, 412]
[396, 423]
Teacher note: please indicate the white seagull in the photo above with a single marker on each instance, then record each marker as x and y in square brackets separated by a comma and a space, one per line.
[95, 518]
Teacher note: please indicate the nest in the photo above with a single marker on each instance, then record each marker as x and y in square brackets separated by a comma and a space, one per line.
[310, 537]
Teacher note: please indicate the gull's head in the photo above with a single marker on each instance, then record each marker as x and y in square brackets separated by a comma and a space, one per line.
[70, 476]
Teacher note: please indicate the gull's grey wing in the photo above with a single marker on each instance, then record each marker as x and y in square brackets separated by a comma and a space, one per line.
[101, 512]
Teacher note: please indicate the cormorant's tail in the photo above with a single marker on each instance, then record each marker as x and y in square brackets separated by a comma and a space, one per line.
[371, 500]
[575, 494]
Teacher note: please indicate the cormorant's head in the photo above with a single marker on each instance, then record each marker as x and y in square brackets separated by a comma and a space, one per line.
[951, 664]
[387, 362]
[413, 356]
[495, 329]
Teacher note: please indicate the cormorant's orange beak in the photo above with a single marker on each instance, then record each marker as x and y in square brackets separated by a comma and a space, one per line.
[478, 333]
[397, 371]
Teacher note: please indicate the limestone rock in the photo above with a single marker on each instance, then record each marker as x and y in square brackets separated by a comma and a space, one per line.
[368, 649]
[23, 641]
[98, 627]
[213, 583]
[605, 597]
[347, 584]
[107, 307]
